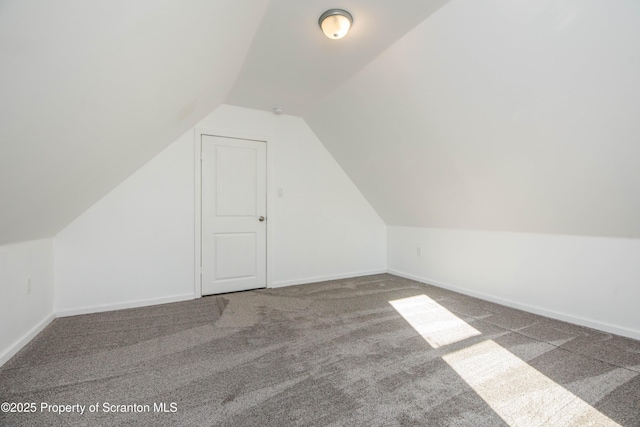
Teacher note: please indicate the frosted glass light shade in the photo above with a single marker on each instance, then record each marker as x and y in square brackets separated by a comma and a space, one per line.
[335, 23]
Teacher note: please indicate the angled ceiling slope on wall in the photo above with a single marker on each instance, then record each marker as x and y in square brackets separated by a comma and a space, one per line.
[498, 115]
[92, 90]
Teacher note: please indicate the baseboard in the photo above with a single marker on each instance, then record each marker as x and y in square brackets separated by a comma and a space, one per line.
[125, 305]
[315, 279]
[601, 326]
[26, 338]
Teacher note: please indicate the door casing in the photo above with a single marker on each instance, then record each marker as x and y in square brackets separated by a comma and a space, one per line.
[199, 132]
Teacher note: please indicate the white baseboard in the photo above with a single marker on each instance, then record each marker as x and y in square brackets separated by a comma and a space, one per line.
[306, 280]
[26, 338]
[124, 305]
[602, 326]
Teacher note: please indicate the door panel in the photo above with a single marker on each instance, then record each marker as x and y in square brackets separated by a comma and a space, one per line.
[236, 182]
[233, 202]
[235, 255]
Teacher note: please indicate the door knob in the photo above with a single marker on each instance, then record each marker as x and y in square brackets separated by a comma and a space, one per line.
[261, 219]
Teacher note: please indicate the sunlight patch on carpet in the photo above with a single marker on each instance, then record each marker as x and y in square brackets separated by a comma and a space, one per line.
[518, 393]
[437, 325]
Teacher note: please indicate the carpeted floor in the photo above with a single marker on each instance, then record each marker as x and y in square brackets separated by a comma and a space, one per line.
[375, 350]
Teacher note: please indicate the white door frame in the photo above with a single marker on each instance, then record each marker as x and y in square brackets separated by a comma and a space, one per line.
[198, 132]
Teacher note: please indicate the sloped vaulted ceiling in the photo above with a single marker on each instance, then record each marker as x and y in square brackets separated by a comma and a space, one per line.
[91, 90]
[292, 64]
[499, 115]
[492, 115]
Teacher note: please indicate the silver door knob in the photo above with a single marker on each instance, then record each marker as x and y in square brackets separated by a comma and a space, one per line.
[261, 219]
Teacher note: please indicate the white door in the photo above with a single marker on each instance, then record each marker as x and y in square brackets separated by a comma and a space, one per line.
[234, 232]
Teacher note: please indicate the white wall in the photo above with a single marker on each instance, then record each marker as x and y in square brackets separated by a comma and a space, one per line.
[499, 115]
[506, 118]
[591, 281]
[323, 227]
[136, 245]
[23, 315]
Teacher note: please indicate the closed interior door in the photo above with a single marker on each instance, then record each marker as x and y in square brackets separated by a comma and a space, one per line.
[234, 237]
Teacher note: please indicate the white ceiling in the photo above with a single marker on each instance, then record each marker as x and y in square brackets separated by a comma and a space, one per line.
[91, 90]
[499, 115]
[494, 115]
[292, 64]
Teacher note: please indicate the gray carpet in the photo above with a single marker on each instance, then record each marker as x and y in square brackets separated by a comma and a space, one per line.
[333, 353]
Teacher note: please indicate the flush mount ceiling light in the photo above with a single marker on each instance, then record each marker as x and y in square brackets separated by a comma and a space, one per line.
[335, 23]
